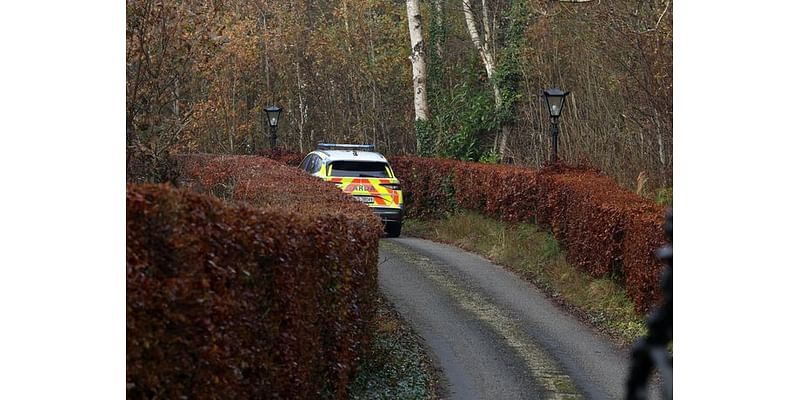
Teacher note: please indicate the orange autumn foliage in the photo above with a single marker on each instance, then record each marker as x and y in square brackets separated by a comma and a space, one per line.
[604, 229]
[255, 296]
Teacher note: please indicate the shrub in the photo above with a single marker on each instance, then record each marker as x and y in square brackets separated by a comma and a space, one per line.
[260, 296]
[604, 229]
[664, 196]
[428, 189]
[283, 156]
[142, 165]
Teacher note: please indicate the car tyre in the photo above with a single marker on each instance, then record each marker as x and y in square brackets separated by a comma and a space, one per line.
[393, 228]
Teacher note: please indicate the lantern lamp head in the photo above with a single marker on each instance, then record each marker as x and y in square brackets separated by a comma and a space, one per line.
[555, 101]
[273, 114]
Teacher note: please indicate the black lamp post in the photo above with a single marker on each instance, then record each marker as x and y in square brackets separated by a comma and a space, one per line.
[271, 116]
[555, 103]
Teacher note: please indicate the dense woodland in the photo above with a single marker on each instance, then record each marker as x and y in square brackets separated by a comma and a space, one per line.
[199, 72]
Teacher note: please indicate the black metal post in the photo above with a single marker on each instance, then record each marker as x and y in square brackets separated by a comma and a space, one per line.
[274, 136]
[554, 132]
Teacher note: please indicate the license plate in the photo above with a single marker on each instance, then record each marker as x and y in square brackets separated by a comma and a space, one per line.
[365, 199]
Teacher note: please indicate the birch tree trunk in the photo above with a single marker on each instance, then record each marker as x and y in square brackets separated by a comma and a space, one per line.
[303, 107]
[418, 66]
[437, 4]
[482, 45]
[487, 57]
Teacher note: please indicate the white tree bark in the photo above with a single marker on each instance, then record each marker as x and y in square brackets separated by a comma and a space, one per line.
[486, 55]
[303, 107]
[487, 32]
[480, 43]
[419, 69]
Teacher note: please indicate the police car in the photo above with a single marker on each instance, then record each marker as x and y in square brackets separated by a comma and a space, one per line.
[360, 171]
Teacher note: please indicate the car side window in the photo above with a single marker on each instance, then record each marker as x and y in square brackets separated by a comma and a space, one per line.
[309, 166]
[305, 164]
[316, 165]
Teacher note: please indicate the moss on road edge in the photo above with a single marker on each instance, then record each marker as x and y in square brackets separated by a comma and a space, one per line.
[397, 365]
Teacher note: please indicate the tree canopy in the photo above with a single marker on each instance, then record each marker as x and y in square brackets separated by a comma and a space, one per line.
[199, 73]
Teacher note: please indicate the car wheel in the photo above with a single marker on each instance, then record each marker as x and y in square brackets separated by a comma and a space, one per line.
[393, 228]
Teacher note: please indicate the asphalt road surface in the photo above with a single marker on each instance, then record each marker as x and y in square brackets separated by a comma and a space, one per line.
[494, 335]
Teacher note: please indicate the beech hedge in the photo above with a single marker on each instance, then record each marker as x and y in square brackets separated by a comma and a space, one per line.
[604, 229]
[265, 293]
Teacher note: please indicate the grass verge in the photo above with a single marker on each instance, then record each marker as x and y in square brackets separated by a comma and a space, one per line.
[535, 255]
[396, 366]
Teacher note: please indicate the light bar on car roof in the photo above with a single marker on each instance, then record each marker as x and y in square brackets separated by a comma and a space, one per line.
[338, 146]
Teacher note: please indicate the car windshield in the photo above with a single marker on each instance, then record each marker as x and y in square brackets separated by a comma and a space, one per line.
[360, 169]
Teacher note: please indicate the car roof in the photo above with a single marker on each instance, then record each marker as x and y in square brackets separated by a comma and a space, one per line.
[350, 155]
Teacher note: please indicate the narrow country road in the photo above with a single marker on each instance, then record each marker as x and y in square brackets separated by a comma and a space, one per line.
[494, 335]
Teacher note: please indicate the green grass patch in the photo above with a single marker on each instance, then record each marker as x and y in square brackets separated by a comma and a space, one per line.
[396, 365]
[535, 254]
[663, 196]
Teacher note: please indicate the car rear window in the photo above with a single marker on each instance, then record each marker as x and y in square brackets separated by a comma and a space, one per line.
[360, 169]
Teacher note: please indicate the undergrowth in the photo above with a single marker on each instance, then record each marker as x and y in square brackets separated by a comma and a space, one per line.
[663, 196]
[535, 255]
[396, 365]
